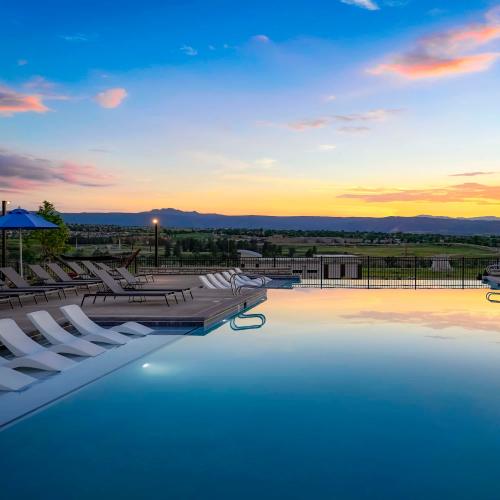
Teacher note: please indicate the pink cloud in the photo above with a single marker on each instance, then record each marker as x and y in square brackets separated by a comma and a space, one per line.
[472, 174]
[309, 124]
[12, 102]
[24, 173]
[111, 98]
[261, 38]
[444, 54]
[467, 192]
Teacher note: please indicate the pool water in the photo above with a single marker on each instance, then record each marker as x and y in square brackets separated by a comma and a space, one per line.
[341, 394]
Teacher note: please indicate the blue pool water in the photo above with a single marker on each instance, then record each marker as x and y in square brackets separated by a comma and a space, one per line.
[342, 394]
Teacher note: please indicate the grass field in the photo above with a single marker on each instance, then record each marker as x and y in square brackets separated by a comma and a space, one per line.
[400, 250]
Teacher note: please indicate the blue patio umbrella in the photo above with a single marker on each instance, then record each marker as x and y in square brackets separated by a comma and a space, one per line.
[22, 219]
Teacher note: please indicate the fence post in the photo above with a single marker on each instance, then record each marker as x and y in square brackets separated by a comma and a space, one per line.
[415, 269]
[321, 271]
[463, 273]
[368, 269]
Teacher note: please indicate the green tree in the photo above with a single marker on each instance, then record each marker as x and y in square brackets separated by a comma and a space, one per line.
[52, 241]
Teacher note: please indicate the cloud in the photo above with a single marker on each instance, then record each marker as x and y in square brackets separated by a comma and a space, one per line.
[327, 147]
[188, 50]
[12, 102]
[314, 123]
[22, 62]
[354, 130]
[261, 38]
[472, 174]
[330, 98]
[376, 115]
[265, 162]
[364, 4]
[24, 173]
[449, 53]
[77, 37]
[111, 98]
[459, 193]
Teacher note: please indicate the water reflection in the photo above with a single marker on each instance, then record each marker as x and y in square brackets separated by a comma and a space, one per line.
[436, 309]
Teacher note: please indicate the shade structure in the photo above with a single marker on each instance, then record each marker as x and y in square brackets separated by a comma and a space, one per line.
[22, 219]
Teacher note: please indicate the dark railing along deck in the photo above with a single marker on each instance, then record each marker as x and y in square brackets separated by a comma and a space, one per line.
[343, 271]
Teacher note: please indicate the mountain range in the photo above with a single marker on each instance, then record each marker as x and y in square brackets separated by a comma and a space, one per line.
[173, 218]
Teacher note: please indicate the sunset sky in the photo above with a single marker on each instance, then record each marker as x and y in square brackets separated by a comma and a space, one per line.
[333, 107]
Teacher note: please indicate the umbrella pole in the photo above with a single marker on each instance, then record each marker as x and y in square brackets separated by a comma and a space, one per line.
[21, 252]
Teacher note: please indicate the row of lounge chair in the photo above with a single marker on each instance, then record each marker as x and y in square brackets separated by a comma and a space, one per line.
[107, 282]
[30, 354]
[233, 279]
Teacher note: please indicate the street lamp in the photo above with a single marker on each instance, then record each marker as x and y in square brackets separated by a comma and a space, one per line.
[155, 222]
[4, 235]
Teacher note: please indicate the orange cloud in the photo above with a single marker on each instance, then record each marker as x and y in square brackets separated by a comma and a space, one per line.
[467, 192]
[12, 102]
[446, 54]
[430, 67]
[111, 98]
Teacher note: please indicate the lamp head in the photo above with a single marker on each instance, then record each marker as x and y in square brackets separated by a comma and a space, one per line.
[155, 221]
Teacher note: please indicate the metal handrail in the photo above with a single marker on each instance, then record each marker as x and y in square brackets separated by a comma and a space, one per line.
[237, 288]
[235, 327]
[489, 296]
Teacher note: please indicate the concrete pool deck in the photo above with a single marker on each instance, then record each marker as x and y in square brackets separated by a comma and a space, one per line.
[206, 309]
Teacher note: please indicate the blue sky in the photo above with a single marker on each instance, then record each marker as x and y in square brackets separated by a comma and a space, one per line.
[355, 107]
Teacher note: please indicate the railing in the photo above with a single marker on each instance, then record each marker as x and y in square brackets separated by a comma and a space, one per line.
[341, 271]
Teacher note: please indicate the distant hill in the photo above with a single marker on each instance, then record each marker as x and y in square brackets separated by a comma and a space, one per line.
[179, 219]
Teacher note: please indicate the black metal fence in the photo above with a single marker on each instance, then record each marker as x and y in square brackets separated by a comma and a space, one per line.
[342, 271]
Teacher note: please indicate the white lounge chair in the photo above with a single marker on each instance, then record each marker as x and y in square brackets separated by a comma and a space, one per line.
[30, 354]
[62, 340]
[240, 282]
[206, 283]
[95, 333]
[217, 283]
[237, 270]
[11, 380]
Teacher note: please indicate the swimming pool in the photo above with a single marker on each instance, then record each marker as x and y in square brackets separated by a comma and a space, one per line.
[340, 394]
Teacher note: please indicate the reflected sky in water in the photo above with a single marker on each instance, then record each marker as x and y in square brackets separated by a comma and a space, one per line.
[341, 394]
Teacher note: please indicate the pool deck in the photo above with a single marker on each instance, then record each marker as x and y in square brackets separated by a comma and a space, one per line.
[206, 309]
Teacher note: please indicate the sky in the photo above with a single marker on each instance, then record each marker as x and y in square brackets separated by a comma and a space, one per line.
[332, 107]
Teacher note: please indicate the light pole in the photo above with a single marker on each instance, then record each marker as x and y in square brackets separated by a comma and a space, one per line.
[155, 222]
[4, 235]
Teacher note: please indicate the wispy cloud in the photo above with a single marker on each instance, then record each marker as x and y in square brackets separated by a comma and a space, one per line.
[327, 147]
[76, 37]
[364, 4]
[354, 130]
[265, 162]
[261, 38]
[22, 62]
[111, 98]
[472, 174]
[376, 115]
[13, 102]
[313, 123]
[460, 193]
[188, 50]
[448, 53]
[25, 172]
